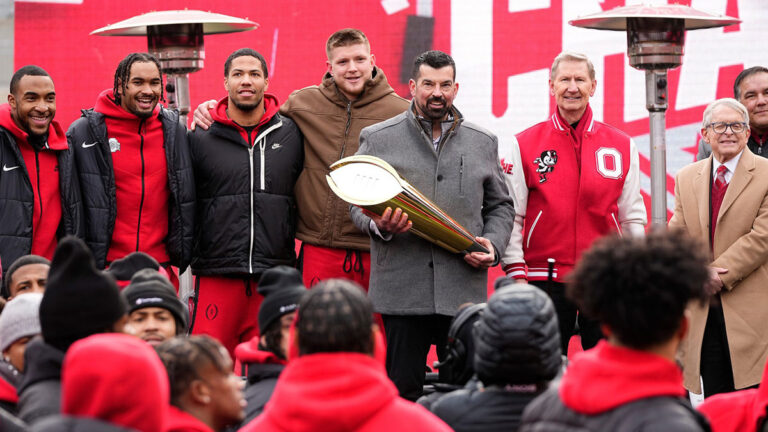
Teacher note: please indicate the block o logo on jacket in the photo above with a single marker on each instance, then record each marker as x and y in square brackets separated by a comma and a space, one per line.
[608, 162]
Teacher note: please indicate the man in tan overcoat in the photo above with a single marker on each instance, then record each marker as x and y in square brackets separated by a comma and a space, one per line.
[723, 201]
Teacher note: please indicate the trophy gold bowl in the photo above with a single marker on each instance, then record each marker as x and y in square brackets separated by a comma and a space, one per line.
[373, 185]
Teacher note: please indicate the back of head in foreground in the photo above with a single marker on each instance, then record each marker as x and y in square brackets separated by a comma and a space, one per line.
[113, 378]
[517, 353]
[335, 383]
[638, 288]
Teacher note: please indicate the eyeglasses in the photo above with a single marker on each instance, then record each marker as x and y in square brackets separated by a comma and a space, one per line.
[721, 127]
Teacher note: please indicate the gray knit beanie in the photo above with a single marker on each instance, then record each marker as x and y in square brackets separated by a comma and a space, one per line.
[20, 318]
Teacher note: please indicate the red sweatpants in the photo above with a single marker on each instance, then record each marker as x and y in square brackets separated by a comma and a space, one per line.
[226, 309]
[321, 263]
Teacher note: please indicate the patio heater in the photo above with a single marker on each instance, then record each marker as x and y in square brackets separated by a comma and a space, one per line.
[655, 39]
[175, 37]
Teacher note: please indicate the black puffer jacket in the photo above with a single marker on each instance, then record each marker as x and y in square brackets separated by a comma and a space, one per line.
[246, 211]
[76, 424]
[17, 201]
[40, 389]
[262, 379]
[97, 183]
[669, 414]
[517, 353]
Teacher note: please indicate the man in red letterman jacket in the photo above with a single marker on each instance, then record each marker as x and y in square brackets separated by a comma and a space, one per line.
[39, 199]
[573, 179]
[245, 165]
[133, 163]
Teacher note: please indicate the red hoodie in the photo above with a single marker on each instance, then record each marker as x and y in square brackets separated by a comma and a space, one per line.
[607, 376]
[115, 378]
[182, 421]
[141, 180]
[8, 392]
[43, 170]
[271, 106]
[739, 411]
[336, 392]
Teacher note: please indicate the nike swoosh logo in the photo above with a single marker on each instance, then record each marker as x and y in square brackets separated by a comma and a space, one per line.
[89, 145]
[7, 168]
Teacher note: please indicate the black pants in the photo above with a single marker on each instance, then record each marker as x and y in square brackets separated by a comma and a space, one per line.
[408, 340]
[716, 368]
[589, 329]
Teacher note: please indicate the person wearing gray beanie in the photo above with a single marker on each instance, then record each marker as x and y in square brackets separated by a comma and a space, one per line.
[19, 322]
[155, 312]
[517, 354]
[27, 274]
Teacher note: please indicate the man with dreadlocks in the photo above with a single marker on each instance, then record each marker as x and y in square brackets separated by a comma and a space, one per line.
[133, 161]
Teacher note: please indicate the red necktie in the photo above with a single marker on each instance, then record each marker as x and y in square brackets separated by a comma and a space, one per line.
[720, 178]
[718, 192]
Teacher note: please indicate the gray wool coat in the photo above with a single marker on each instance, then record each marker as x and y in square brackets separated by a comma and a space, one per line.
[410, 276]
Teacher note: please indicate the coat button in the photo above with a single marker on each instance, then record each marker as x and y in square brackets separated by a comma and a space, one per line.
[439, 177]
[431, 265]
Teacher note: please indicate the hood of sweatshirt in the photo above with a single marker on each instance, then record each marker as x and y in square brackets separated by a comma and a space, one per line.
[330, 392]
[607, 376]
[106, 105]
[375, 88]
[57, 140]
[219, 114]
[260, 364]
[739, 411]
[116, 378]
[182, 421]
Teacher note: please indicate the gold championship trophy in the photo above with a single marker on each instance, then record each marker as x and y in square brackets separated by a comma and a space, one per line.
[373, 185]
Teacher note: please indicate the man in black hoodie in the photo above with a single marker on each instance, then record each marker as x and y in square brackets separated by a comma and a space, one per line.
[79, 301]
[245, 168]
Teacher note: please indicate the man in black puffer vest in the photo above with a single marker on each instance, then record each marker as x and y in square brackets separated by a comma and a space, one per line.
[638, 288]
[133, 163]
[245, 166]
[517, 353]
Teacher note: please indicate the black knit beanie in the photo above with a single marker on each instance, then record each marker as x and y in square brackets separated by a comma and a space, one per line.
[79, 299]
[282, 288]
[124, 268]
[19, 263]
[517, 340]
[148, 288]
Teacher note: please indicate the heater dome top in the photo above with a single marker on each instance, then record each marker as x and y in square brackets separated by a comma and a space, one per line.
[213, 23]
[616, 19]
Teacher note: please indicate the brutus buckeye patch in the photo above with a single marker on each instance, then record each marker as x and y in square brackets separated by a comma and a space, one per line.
[545, 164]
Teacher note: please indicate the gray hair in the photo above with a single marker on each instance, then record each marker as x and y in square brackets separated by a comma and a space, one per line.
[575, 57]
[729, 102]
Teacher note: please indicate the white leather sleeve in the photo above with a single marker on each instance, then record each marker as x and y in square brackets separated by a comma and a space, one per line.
[632, 214]
[510, 153]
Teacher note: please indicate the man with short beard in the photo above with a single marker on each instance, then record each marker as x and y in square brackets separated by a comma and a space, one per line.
[245, 166]
[133, 162]
[39, 199]
[415, 285]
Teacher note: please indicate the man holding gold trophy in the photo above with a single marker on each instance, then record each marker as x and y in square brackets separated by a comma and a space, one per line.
[450, 169]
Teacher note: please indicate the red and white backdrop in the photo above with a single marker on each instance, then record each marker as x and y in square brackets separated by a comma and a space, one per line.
[503, 49]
